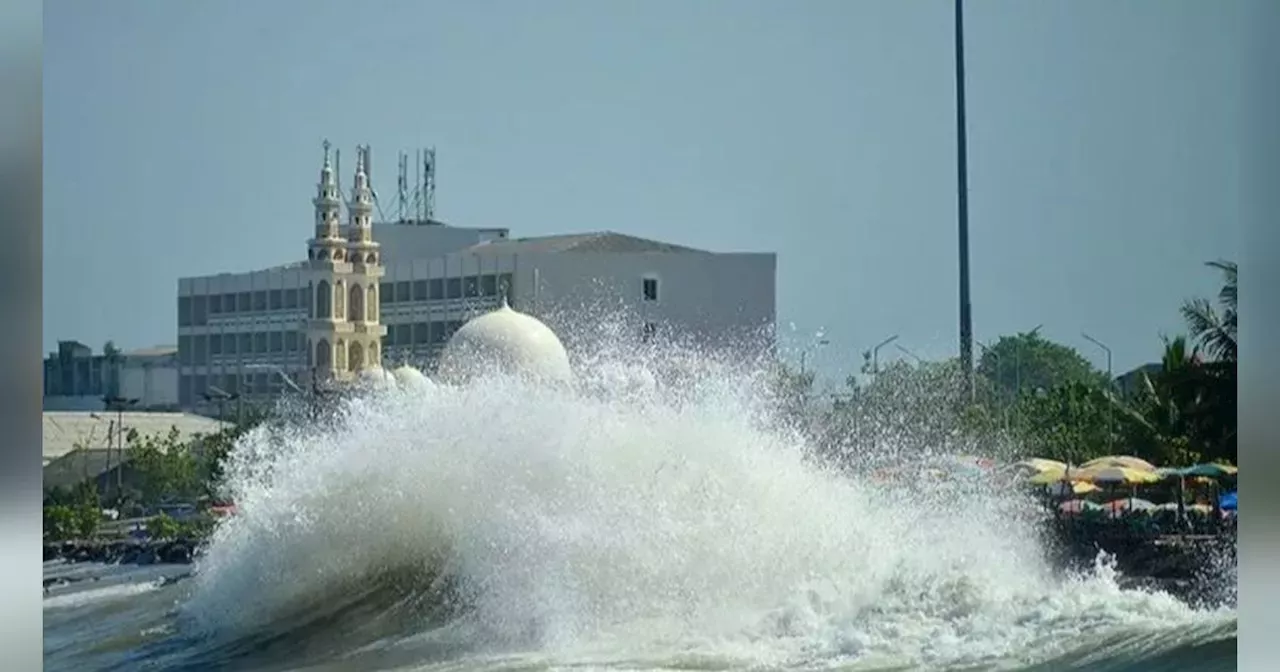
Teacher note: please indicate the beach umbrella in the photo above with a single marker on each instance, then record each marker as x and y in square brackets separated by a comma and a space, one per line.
[1039, 465]
[1077, 506]
[1123, 461]
[1132, 504]
[1064, 488]
[1116, 476]
[1210, 471]
[1228, 501]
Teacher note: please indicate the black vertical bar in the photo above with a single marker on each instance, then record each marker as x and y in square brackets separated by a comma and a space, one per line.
[966, 316]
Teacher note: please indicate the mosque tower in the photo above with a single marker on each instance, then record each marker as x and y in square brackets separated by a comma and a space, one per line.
[343, 334]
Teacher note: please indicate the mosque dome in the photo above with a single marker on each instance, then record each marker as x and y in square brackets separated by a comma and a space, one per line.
[410, 378]
[375, 376]
[505, 341]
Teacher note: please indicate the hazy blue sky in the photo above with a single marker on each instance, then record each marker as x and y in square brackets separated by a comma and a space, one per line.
[183, 138]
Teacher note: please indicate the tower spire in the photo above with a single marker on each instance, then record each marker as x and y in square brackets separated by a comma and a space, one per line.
[327, 203]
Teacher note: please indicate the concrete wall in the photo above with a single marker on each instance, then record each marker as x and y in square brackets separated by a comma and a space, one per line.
[407, 242]
[712, 300]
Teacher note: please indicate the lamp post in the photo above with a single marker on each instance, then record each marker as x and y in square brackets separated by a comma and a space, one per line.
[118, 404]
[222, 397]
[962, 207]
[875, 354]
[1111, 438]
[910, 354]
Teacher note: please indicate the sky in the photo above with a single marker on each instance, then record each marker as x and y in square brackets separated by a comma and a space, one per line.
[184, 138]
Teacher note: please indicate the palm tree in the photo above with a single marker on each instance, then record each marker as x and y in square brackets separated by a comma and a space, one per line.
[1215, 332]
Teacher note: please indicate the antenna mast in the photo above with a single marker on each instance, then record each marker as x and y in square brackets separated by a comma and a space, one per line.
[429, 184]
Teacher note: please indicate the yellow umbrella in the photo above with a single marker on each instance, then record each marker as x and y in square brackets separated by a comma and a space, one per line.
[1053, 476]
[1041, 465]
[1076, 488]
[1116, 475]
[1122, 461]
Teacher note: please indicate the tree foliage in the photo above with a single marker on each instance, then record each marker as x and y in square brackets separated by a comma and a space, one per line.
[1027, 362]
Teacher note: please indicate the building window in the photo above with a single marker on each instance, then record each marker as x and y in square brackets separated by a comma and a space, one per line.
[388, 292]
[290, 299]
[260, 301]
[437, 332]
[231, 383]
[199, 311]
[200, 346]
[260, 383]
[215, 304]
[246, 343]
[277, 341]
[421, 333]
[260, 342]
[402, 291]
[324, 300]
[184, 350]
[489, 285]
[184, 390]
[419, 290]
[229, 343]
[215, 344]
[276, 299]
[435, 289]
[471, 287]
[184, 311]
[650, 330]
[291, 341]
[228, 303]
[453, 288]
[650, 289]
[244, 302]
[404, 333]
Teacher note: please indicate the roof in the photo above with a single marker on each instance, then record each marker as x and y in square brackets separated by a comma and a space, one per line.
[599, 241]
[154, 351]
[65, 430]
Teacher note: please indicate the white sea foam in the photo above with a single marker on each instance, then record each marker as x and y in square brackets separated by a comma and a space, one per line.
[627, 522]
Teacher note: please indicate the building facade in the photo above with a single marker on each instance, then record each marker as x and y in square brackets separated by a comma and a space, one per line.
[392, 293]
[76, 379]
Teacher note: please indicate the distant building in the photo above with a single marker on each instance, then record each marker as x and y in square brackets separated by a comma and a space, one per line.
[76, 379]
[1130, 383]
[356, 303]
[78, 446]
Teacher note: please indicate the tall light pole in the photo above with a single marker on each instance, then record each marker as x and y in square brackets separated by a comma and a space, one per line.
[875, 354]
[962, 204]
[1111, 434]
[118, 404]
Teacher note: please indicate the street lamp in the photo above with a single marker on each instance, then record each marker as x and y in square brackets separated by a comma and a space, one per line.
[1110, 382]
[118, 404]
[283, 376]
[875, 354]
[222, 397]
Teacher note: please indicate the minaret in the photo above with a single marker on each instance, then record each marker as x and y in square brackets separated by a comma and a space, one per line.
[327, 246]
[326, 331]
[365, 255]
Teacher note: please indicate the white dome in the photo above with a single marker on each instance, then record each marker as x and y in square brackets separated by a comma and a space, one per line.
[410, 378]
[505, 341]
[375, 376]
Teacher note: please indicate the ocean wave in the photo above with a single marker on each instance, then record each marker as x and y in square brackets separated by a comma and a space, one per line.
[631, 525]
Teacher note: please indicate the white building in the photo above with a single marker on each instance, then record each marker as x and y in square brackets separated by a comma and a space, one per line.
[76, 379]
[404, 295]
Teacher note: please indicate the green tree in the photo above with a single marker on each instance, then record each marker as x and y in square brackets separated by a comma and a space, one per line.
[163, 527]
[1071, 422]
[60, 522]
[165, 467]
[1027, 362]
[1214, 331]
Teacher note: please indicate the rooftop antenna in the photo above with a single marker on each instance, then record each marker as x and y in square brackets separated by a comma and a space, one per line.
[417, 182]
[402, 187]
[429, 184]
